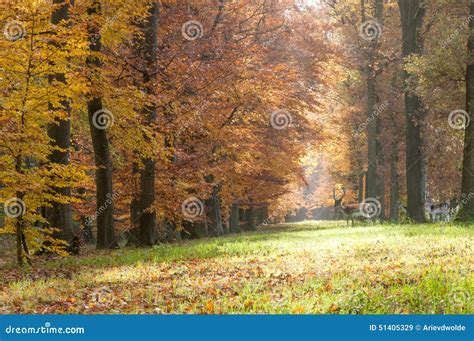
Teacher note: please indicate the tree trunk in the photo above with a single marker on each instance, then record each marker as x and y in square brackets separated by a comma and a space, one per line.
[234, 219]
[360, 194]
[214, 214]
[265, 214]
[372, 139]
[60, 215]
[372, 121]
[394, 182]
[147, 215]
[135, 207]
[20, 237]
[147, 199]
[19, 233]
[411, 14]
[467, 185]
[381, 180]
[251, 219]
[103, 179]
[100, 143]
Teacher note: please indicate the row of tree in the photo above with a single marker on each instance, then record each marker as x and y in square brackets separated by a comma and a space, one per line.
[193, 113]
[185, 111]
[405, 96]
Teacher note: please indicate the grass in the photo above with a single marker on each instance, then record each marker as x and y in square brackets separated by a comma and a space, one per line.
[309, 267]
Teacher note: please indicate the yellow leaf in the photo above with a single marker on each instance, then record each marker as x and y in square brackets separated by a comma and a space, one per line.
[298, 310]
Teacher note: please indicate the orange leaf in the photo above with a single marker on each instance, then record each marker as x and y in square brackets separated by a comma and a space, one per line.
[210, 307]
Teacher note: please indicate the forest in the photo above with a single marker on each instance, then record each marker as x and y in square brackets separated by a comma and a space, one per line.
[237, 156]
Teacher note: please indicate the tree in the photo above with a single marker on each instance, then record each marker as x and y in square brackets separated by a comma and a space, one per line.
[234, 221]
[371, 72]
[59, 214]
[33, 175]
[147, 215]
[411, 15]
[467, 185]
[98, 124]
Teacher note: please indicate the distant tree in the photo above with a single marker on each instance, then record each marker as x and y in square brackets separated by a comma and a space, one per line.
[467, 186]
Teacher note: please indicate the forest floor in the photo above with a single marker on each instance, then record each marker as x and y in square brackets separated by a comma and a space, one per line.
[309, 267]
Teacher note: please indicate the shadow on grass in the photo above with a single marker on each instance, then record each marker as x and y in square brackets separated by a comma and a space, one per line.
[259, 242]
[245, 243]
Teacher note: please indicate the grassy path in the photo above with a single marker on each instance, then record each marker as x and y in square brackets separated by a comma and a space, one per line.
[311, 267]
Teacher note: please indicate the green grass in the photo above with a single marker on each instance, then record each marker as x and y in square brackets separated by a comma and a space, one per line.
[310, 267]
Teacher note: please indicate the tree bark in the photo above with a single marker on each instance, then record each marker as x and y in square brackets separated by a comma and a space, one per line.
[467, 185]
[19, 233]
[60, 215]
[371, 139]
[135, 206]
[265, 214]
[394, 195]
[372, 126]
[100, 143]
[381, 180]
[251, 219]
[360, 193]
[147, 215]
[214, 214]
[234, 219]
[411, 14]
